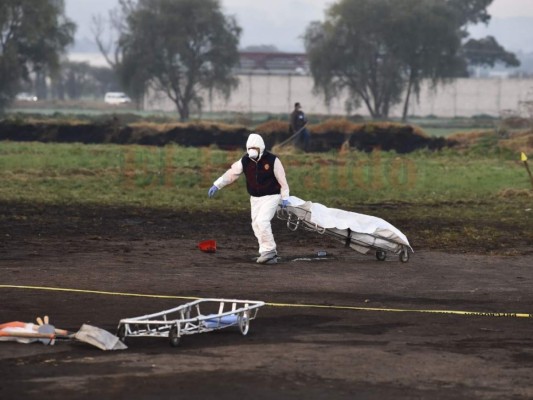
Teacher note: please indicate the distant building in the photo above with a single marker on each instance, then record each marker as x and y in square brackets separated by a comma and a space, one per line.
[274, 63]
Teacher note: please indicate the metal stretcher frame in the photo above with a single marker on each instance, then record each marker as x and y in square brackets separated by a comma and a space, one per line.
[297, 217]
[188, 319]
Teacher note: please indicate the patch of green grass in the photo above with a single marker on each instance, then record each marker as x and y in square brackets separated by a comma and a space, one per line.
[179, 177]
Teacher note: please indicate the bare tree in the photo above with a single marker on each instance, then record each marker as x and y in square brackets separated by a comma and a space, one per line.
[179, 47]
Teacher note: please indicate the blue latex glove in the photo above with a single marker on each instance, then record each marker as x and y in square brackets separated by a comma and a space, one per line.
[212, 191]
[284, 203]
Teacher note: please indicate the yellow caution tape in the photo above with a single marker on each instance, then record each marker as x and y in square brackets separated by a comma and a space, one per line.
[288, 305]
[56, 289]
[454, 312]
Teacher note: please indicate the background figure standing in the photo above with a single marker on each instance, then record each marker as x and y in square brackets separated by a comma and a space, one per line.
[298, 123]
[267, 185]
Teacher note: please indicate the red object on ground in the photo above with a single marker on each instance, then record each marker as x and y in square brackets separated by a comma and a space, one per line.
[208, 246]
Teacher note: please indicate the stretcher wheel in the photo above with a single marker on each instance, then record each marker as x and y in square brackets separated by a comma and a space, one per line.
[244, 323]
[381, 255]
[173, 336]
[404, 256]
[121, 333]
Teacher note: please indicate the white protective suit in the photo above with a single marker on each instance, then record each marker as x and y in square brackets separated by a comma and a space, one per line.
[263, 208]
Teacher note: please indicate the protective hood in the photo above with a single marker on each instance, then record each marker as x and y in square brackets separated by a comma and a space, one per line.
[254, 140]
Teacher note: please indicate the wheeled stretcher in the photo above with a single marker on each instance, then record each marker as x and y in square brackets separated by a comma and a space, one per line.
[199, 316]
[363, 233]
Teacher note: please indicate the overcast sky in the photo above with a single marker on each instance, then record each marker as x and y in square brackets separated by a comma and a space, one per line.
[282, 22]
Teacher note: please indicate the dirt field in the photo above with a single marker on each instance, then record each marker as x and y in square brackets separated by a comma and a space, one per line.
[290, 352]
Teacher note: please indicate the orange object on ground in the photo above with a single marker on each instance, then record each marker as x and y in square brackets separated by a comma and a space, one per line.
[23, 332]
[14, 324]
[208, 246]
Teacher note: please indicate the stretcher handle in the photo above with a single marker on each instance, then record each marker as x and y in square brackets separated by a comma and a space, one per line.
[291, 224]
[282, 213]
[319, 229]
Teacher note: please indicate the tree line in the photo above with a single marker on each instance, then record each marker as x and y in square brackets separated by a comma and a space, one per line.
[379, 51]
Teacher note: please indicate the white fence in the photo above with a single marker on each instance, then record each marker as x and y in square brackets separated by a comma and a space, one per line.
[278, 93]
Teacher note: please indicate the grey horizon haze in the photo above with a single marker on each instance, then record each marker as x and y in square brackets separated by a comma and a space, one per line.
[282, 22]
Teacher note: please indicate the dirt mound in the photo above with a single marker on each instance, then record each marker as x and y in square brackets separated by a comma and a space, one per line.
[518, 141]
[332, 134]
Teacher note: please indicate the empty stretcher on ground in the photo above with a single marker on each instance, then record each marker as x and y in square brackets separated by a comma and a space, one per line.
[363, 233]
[199, 316]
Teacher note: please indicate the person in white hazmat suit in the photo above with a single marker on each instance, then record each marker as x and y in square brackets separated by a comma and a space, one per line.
[267, 185]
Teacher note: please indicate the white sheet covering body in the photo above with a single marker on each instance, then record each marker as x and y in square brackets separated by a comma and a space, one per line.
[366, 232]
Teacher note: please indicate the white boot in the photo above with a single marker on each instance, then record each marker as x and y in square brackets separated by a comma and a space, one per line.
[269, 257]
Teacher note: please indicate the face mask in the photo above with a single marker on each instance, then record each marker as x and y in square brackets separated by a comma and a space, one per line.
[253, 153]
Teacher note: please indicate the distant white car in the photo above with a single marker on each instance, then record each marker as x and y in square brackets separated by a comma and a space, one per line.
[116, 98]
[25, 97]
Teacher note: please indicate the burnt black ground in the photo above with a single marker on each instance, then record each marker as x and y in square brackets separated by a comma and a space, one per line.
[290, 352]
